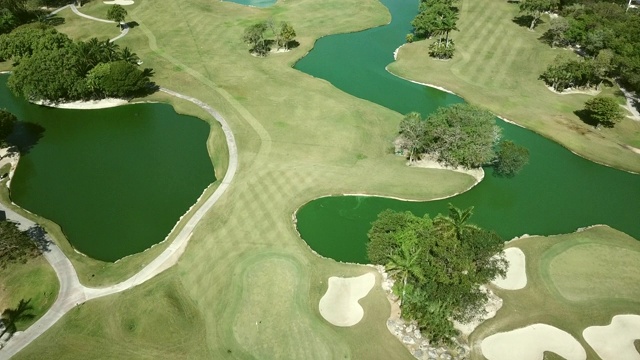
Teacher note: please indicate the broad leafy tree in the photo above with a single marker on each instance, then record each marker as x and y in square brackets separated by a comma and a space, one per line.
[15, 245]
[462, 135]
[511, 158]
[604, 110]
[254, 36]
[117, 13]
[287, 34]
[412, 134]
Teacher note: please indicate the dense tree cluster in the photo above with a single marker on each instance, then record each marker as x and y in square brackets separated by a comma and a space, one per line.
[438, 265]
[459, 135]
[595, 26]
[579, 73]
[15, 245]
[262, 35]
[535, 8]
[50, 66]
[436, 18]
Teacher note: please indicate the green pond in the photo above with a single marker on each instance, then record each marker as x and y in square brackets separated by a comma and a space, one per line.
[558, 192]
[115, 180]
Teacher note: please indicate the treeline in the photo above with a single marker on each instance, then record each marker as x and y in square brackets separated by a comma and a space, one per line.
[461, 135]
[436, 18]
[50, 66]
[594, 27]
[438, 266]
[14, 13]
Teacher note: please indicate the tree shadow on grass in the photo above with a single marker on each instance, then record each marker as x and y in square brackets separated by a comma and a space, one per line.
[525, 21]
[53, 20]
[39, 237]
[10, 317]
[132, 24]
[586, 117]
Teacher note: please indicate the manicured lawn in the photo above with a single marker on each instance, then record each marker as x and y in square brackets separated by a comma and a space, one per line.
[76, 27]
[298, 138]
[34, 282]
[497, 65]
[574, 281]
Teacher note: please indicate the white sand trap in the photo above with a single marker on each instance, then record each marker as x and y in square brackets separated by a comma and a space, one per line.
[615, 341]
[119, 2]
[516, 273]
[530, 343]
[85, 105]
[339, 305]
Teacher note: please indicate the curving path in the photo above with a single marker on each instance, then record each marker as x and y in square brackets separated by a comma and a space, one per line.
[72, 293]
[73, 7]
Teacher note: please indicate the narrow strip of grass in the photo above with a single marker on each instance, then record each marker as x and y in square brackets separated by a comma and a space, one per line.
[497, 65]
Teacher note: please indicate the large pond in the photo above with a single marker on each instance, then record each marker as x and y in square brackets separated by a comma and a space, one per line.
[557, 192]
[116, 180]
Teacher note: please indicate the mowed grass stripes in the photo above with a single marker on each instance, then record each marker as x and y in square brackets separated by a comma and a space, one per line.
[497, 64]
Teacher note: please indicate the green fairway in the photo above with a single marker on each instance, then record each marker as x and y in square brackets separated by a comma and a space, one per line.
[298, 138]
[573, 281]
[497, 64]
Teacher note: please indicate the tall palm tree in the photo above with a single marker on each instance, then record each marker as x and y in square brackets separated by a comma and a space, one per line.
[456, 222]
[11, 316]
[129, 56]
[405, 264]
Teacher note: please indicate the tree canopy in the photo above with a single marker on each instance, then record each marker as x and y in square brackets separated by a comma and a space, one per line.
[117, 13]
[510, 159]
[439, 266]
[15, 245]
[604, 110]
[50, 66]
[535, 8]
[256, 36]
[436, 18]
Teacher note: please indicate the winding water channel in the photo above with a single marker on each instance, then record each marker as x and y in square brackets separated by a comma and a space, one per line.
[558, 192]
[115, 180]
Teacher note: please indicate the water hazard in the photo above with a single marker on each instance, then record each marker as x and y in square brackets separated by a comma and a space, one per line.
[116, 180]
[558, 192]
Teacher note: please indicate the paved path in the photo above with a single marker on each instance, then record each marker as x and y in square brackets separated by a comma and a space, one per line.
[630, 104]
[73, 7]
[72, 293]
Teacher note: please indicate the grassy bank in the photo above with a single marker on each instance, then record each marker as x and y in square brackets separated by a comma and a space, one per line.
[574, 281]
[34, 282]
[298, 138]
[497, 64]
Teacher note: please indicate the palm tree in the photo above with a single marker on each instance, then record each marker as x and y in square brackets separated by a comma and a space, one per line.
[456, 222]
[11, 316]
[129, 56]
[405, 264]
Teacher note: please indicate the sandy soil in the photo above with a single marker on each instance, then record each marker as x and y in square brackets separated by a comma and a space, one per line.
[574, 91]
[339, 305]
[530, 343]
[92, 104]
[615, 341]
[428, 162]
[119, 2]
[516, 273]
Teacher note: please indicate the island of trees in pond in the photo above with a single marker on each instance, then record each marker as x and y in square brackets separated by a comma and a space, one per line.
[49, 66]
[438, 266]
[461, 135]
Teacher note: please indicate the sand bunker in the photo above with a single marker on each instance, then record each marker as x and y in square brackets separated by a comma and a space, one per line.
[516, 273]
[615, 341]
[339, 305]
[530, 343]
[85, 105]
[119, 2]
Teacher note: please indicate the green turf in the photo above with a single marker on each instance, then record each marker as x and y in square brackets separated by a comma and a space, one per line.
[298, 138]
[34, 281]
[75, 26]
[497, 64]
[573, 281]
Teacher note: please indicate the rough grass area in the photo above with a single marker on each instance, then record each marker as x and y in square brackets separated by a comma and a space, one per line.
[35, 282]
[574, 281]
[156, 321]
[298, 138]
[497, 65]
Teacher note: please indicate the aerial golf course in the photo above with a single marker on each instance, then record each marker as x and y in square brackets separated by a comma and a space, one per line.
[310, 125]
